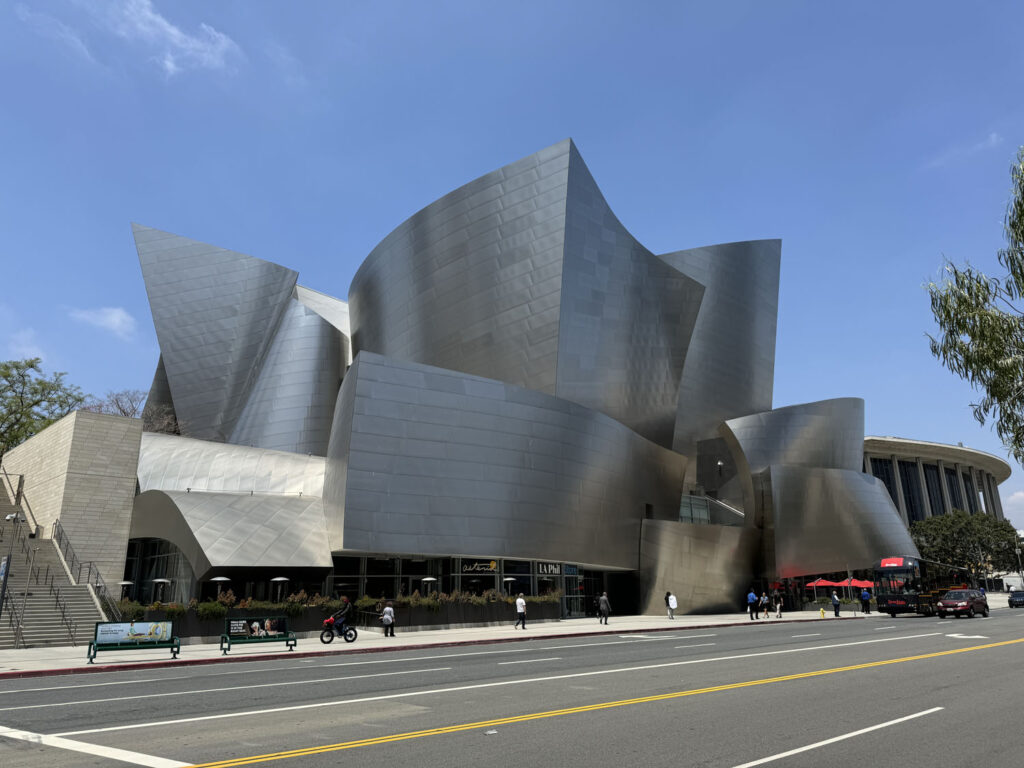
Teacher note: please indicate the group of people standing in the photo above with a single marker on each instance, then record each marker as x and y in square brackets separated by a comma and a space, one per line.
[760, 607]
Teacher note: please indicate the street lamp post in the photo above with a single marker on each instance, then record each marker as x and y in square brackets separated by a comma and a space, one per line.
[17, 519]
[1019, 571]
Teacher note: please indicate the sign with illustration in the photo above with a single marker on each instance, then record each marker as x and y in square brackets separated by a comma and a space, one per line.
[133, 632]
[257, 626]
[479, 566]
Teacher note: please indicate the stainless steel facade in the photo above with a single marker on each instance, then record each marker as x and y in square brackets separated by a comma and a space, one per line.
[437, 462]
[527, 381]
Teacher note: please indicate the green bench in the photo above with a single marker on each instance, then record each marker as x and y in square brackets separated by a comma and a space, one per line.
[256, 629]
[126, 636]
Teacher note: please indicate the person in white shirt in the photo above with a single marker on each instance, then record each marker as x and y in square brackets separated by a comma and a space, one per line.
[671, 604]
[520, 612]
[387, 618]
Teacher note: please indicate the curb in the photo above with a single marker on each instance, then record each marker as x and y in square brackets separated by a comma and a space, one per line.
[131, 666]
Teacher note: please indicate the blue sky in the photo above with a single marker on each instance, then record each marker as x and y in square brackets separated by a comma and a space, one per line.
[874, 139]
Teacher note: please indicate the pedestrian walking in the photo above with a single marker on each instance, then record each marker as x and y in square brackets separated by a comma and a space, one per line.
[865, 600]
[520, 611]
[603, 607]
[752, 602]
[671, 604]
[835, 602]
[762, 606]
[387, 618]
[777, 596]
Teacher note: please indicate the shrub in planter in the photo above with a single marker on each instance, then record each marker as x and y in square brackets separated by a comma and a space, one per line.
[130, 610]
[211, 610]
[173, 610]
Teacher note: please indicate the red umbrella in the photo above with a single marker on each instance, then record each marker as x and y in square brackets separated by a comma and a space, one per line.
[821, 583]
[862, 583]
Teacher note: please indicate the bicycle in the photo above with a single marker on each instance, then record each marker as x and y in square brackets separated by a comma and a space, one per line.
[343, 630]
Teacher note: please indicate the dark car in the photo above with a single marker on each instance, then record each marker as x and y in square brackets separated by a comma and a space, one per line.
[1016, 599]
[962, 602]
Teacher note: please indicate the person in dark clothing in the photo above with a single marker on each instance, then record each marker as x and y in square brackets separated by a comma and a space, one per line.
[835, 602]
[342, 615]
[603, 607]
[865, 600]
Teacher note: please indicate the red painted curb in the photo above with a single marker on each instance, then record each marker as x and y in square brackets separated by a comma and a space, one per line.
[89, 669]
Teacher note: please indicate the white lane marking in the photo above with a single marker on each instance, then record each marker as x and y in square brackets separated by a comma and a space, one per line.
[220, 690]
[695, 645]
[530, 661]
[834, 739]
[646, 638]
[694, 637]
[813, 634]
[113, 753]
[477, 686]
[878, 629]
[969, 637]
[309, 661]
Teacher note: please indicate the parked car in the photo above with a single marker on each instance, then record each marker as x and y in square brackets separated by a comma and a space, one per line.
[962, 602]
[1016, 599]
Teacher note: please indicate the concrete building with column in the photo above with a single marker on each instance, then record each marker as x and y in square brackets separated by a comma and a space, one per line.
[928, 479]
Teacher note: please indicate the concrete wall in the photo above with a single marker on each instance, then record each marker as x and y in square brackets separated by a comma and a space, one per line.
[82, 470]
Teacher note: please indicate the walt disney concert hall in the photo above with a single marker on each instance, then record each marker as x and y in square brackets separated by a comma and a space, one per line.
[517, 395]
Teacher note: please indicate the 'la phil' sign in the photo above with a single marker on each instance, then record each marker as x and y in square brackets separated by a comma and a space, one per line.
[549, 569]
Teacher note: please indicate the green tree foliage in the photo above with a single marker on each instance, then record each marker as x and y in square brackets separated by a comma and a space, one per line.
[31, 401]
[981, 327]
[980, 543]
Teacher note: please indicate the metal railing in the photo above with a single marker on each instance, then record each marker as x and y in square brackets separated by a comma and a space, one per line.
[14, 619]
[92, 574]
[65, 613]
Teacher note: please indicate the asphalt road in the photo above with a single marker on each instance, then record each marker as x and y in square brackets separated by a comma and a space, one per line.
[909, 691]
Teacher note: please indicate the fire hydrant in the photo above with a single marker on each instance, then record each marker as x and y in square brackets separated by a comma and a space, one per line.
[822, 612]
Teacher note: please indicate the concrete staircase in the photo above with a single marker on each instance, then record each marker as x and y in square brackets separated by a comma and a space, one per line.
[42, 624]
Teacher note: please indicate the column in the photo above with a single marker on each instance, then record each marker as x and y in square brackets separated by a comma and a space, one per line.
[979, 483]
[997, 502]
[947, 503]
[901, 502]
[963, 489]
[924, 489]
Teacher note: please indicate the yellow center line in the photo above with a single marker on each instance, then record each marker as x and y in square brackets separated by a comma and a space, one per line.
[306, 751]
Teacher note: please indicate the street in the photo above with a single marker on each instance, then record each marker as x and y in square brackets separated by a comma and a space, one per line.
[911, 691]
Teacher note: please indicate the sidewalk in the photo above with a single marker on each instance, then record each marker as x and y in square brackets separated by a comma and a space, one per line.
[40, 662]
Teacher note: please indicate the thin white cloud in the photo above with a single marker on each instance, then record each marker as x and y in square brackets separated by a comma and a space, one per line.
[113, 319]
[962, 152]
[54, 29]
[1013, 508]
[173, 49]
[22, 344]
[287, 65]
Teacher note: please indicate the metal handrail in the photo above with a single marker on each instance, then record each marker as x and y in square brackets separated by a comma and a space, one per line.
[15, 620]
[92, 574]
[65, 613]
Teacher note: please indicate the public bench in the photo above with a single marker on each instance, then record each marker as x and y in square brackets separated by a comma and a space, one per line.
[125, 636]
[256, 629]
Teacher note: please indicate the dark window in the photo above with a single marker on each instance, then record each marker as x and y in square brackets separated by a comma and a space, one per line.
[911, 484]
[882, 469]
[954, 490]
[934, 483]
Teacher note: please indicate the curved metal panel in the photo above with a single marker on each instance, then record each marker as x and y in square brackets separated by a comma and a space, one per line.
[707, 567]
[626, 317]
[334, 311]
[832, 520]
[215, 312]
[472, 281]
[220, 530]
[828, 434]
[444, 463]
[730, 364]
[168, 462]
[291, 405]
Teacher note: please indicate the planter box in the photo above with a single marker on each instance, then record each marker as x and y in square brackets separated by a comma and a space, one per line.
[191, 630]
